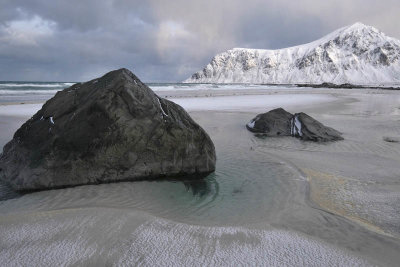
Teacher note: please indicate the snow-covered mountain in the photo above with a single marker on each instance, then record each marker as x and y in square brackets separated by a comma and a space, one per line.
[357, 54]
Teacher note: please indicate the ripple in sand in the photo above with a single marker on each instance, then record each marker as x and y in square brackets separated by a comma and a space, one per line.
[131, 238]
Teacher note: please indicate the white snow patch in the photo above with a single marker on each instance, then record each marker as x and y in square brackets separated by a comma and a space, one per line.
[220, 103]
[162, 110]
[51, 120]
[26, 110]
[216, 87]
[296, 126]
[251, 124]
[250, 102]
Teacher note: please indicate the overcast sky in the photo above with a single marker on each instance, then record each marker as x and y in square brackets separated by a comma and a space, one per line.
[163, 40]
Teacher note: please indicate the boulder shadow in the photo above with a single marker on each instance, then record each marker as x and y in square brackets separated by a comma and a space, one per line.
[203, 187]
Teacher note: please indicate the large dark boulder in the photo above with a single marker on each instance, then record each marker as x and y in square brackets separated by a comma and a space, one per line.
[279, 122]
[114, 128]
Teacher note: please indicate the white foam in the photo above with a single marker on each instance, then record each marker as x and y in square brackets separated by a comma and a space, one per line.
[39, 89]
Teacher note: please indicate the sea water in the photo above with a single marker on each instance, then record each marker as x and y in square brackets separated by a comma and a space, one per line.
[17, 92]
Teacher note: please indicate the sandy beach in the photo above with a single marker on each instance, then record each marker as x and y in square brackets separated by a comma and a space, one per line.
[272, 201]
[200, 133]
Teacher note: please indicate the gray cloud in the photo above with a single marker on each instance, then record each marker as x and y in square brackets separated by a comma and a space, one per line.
[162, 40]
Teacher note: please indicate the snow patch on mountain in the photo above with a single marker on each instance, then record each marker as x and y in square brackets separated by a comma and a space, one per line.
[357, 54]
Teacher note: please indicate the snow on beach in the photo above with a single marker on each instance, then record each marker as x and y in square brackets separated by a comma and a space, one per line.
[219, 103]
[25, 110]
[249, 102]
[38, 92]
[133, 238]
[67, 226]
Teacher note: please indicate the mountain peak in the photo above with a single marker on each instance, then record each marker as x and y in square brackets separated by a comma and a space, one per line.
[358, 54]
[359, 25]
[366, 32]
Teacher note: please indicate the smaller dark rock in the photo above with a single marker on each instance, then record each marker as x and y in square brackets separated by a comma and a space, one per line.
[279, 122]
[347, 86]
[391, 139]
[332, 85]
[273, 123]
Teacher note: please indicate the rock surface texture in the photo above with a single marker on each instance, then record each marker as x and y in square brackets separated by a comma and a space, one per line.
[279, 122]
[114, 128]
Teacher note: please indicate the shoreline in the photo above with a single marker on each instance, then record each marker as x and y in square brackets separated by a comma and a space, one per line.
[235, 92]
[369, 194]
[252, 101]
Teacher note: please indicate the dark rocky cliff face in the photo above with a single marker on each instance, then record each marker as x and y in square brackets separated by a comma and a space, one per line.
[109, 129]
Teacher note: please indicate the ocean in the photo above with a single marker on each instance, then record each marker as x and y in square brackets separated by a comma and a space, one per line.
[22, 92]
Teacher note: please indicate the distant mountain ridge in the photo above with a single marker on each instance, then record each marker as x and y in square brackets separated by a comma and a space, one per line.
[357, 54]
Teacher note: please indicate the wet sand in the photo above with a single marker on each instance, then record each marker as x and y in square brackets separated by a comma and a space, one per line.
[272, 201]
[358, 178]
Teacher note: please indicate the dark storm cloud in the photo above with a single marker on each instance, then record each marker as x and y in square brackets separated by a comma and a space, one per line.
[162, 40]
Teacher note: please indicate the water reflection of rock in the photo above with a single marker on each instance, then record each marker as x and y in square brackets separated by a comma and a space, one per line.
[203, 187]
[6, 192]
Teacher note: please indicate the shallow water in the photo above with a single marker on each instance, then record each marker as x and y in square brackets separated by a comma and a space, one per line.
[243, 179]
